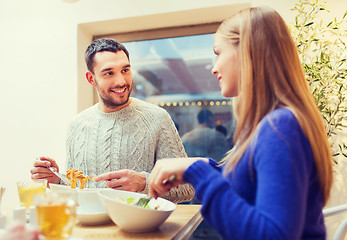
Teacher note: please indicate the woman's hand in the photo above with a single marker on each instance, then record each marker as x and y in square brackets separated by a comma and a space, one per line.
[158, 183]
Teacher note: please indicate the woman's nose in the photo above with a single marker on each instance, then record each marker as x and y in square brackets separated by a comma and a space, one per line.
[214, 71]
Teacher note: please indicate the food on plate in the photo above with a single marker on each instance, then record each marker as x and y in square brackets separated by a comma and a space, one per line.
[138, 202]
[74, 175]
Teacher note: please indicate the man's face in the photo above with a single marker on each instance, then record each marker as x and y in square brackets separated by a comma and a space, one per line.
[112, 79]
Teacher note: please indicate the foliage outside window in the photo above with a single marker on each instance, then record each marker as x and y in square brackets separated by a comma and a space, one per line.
[322, 49]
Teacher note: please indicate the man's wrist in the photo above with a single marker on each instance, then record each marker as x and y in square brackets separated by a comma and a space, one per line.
[145, 189]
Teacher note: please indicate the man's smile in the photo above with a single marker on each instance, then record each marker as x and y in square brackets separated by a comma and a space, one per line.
[119, 90]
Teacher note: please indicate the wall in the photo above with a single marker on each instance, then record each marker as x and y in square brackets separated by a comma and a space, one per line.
[38, 71]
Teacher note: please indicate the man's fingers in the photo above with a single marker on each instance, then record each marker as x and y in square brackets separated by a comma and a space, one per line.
[39, 163]
[109, 176]
[113, 183]
[103, 177]
[45, 162]
[40, 170]
[42, 175]
[123, 184]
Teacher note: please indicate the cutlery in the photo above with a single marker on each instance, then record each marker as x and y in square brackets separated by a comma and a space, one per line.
[142, 202]
[59, 175]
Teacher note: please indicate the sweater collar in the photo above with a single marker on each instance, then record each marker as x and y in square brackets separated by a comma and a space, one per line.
[119, 112]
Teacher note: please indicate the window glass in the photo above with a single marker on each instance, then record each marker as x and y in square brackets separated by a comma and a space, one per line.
[175, 74]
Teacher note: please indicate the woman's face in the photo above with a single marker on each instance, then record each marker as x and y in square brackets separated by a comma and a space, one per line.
[227, 66]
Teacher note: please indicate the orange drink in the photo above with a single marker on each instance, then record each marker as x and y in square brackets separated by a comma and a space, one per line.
[55, 216]
[27, 190]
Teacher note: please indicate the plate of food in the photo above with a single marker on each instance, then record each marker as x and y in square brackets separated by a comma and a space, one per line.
[76, 182]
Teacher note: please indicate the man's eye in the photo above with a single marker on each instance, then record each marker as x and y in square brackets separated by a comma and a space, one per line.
[125, 70]
[109, 73]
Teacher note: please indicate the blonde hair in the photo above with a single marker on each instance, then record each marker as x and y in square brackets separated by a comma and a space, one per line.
[272, 77]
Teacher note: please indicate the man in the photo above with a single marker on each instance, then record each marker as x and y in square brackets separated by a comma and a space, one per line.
[205, 141]
[120, 138]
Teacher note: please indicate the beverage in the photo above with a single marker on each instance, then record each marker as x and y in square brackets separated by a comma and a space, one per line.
[27, 190]
[53, 221]
[55, 216]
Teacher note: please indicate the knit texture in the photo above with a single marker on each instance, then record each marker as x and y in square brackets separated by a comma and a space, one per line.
[134, 138]
[274, 192]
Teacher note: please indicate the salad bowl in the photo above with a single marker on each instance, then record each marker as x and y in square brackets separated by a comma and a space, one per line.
[122, 209]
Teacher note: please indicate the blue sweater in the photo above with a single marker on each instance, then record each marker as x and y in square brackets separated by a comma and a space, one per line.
[274, 192]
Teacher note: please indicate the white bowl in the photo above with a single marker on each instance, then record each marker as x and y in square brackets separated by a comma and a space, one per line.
[89, 201]
[132, 218]
[91, 210]
[64, 190]
[92, 219]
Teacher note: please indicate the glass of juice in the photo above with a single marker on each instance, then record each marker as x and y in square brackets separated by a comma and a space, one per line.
[56, 215]
[27, 190]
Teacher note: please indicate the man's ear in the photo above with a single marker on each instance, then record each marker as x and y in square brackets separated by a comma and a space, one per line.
[90, 78]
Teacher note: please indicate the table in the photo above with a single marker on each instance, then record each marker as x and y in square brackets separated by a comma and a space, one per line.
[180, 225]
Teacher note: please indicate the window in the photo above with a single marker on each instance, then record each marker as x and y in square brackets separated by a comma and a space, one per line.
[174, 73]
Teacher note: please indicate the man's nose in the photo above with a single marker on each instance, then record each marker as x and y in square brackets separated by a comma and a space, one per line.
[120, 80]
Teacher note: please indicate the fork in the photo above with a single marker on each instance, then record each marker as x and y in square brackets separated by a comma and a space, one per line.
[59, 175]
[142, 202]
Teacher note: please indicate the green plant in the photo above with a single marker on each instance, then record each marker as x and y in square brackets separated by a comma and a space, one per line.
[322, 48]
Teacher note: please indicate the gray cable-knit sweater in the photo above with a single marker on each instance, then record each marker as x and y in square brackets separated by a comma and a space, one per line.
[131, 138]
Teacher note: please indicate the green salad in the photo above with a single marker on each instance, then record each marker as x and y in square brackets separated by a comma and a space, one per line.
[142, 202]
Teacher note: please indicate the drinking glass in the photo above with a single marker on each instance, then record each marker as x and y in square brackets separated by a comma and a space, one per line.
[27, 190]
[56, 215]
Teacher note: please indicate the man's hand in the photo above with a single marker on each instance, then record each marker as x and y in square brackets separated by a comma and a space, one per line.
[40, 170]
[126, 180]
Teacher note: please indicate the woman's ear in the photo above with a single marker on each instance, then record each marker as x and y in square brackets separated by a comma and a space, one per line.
[90, 78]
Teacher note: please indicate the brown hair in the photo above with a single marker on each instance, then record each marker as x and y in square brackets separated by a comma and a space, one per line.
[272, 77]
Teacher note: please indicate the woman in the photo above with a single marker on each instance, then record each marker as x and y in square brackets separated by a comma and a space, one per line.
[275, 181]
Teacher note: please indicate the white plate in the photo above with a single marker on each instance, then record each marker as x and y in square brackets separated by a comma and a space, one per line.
[96, 218]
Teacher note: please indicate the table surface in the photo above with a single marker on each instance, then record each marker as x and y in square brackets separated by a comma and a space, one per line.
[180, 225]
